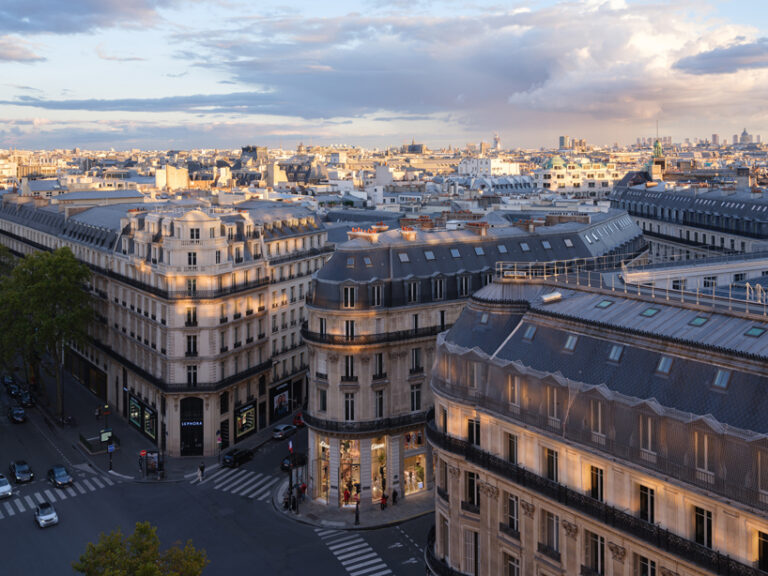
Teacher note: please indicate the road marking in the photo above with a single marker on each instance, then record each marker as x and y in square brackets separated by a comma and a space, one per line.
[343, 539]
[60, 494]
[51, 497]
[264, 488]
[39, 497]
[347, 555]
[97, 482]
[71, 491]
[229, 486]
[249, 483]
[9, 509]
[383, 573]
[229, 480]
[369, 569]
[29, 501]
[214, 475]
[108, 481]
[80, 488]
[325, 533]
[360, 561]
[19, 505]
[258, 488]
[88, 485]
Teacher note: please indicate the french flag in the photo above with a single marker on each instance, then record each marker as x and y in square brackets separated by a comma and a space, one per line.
[290, 446]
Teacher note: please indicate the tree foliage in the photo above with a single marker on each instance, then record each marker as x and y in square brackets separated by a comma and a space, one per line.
[139, 555]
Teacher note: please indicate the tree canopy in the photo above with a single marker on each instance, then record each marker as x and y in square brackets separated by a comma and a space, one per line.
[139, 555]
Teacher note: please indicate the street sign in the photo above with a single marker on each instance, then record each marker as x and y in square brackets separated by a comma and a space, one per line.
[106, 434]
[143, 453]
[110, 447]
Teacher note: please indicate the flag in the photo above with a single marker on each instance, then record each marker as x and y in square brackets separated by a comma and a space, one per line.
[290, 446]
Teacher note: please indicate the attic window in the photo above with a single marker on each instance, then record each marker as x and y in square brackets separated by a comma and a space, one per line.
[587, 238]
[721, 379]
[524, 247]
[698, 321]
[350, 262]
[403, 257]
[455, 253]
[604, 304]
[429, 255]
[568, 242]
[484, 318]
[570, 342]
[479, 251]
[530, 332]
[664, 365]
[546, 245]
[649, 312]
[616, 352]
[502, 249]
[755, 332]
[367, 262]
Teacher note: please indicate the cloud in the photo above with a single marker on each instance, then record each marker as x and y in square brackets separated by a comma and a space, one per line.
[728, 59]
[101, 53]
[75, 16]
[13, 49]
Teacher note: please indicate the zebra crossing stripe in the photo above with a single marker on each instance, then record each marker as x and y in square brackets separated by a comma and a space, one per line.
[357, 540]
[51, 497]
[382, 573]
[343, 539]
[259, 487]
[360, 561]
[39, 497]
[249, 483]
[80, 489]
[96, 481]
[264, 490]
[108, 481]
[71, 491]
[325, 533]
[347, 555]
[88, 485]
[369, 569]
[223, 471]
[9, 509]
[236, 480]
[19, 505]
[265, 497]
[29, 501]
[61, 495]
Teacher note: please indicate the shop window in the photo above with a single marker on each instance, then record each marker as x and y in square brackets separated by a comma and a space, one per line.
[349, 471]
[762, 551]
[378, 468]
[413, 440]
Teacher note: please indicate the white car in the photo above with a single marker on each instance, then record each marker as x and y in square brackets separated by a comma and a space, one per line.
[45, 515]
[5, 487]
[282, 431]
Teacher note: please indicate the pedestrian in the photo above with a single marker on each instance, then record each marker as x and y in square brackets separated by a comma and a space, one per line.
[97, 412]
[202, 470]
[383, 501]
[303, 491]
[346, 496]
[199, 475]
[394, 497]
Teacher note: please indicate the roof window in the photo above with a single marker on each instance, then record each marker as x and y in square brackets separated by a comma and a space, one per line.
[698, 321]
[479, 251]
[721, 379]
[755, 332]
[502, 249]
[429, 255]
[484, 318]
[455, 253]
[367, 262]
[570, 342]
[616, 352]
[604, 304]
[664, 365]
[403, 257]
[546, 245]
[568, 242]
[649, 312]
[350, 262]
[587, 238]
[530, 332]
[524, 247]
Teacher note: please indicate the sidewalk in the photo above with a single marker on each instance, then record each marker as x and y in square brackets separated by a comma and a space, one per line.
[315, 513]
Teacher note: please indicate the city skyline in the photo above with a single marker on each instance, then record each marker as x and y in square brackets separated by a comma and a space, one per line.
[177, 74]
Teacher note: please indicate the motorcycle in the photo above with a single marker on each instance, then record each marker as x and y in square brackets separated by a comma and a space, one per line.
[67, 421]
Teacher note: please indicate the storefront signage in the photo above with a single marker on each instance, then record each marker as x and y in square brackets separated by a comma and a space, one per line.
[192, 423]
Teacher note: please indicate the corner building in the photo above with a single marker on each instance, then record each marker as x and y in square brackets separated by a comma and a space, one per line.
[597, 431]
[198, 312]
[375, 311]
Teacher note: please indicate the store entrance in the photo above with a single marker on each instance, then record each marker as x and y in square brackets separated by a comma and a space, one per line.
[191, 427]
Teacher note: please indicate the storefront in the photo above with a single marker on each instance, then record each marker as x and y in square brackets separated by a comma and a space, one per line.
[245, 421]
[143, 417]
[322, 467]
[414, 461]
[85, 372]
[378, 468]
[349, 472]
[191, 424]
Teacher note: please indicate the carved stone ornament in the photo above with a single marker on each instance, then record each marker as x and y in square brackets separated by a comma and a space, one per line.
[488, 490]
[571, 529]
[454, 471]
[333, 358]
[528, 508]
[668, 572]
[618, 552]
[365, 359]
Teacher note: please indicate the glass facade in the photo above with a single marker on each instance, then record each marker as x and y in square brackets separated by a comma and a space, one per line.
[322, 449]
[378, 467]
[414, 474]
[349, 472]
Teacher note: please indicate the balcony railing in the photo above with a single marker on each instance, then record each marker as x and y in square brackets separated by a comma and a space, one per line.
[190, 353]
[589, 571]
[366, 426]
[190, 323]
[548, 551]
[436, 565]
[509, 531]
[363, 339]
[443, 493]
[321, 375]
[303, 254]
[652, 534]
[349, 378]
[381, 376]
[470, 507]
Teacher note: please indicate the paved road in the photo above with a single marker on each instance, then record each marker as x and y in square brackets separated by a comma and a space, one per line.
[230, 514]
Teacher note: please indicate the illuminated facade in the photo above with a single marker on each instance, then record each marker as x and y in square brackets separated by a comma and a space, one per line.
[197, 341]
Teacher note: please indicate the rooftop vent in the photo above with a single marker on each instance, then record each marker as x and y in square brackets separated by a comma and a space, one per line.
[551, 297]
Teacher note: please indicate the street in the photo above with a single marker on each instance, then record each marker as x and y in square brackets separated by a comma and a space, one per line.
[230, 514]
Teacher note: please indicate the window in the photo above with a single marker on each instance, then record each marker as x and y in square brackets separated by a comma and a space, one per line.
[698, 321]
[367, 262]
[511, 448]
[710, 281]
[349, 297]
[471, 560]
[416, 360]
[616, 352]
[644, 567]
[596, 483]
[192, 258]
[473, 432]
[191, 345]
[463, 285]
[550, 531]
[530, 332]
[349, 407]
[349, 329]
[323, 399]
[376, 295]
[570, 343]
[524, 247]
[192, 285]
[321, 322]
[415, 397]
[438, 289]
[443, 419]
[349, 367]
[194, 233]
[647, 436]
[511, 565]
[218, 256]
[191, 375]
[472, 488]
[192, 316]
[721, 379]
[553, 406]
[350, 262]
[510, 512]
[594, 552]
[702, 445]
[664, 365]
[755, 332]
[739, 276]
[379, 403]
[412, 291]
[484, 318]
[568, 242]
[702, 526]
[762, 551]
[429, 255]
[479, 251]
[550, 463]
[649, 312]
[502, 249]
[596, 417]
[474, 374]
[378, 364]
[455, 253]
[647, 506]
[513, 389]
[603, 303]
[403, 257]
[546, 245]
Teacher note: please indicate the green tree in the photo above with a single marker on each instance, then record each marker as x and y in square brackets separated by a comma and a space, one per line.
[139, 555]
[44, 306]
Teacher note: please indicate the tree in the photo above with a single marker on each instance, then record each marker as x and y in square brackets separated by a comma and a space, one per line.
[44, 306]
[139, 555]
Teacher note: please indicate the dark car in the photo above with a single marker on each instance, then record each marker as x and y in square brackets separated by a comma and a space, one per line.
[20, 471]
[8, 380]
[298, 420]
[236, 456]
[59, 477]
[295, 460]
[13, 390]
[16, 414]
[26, 399]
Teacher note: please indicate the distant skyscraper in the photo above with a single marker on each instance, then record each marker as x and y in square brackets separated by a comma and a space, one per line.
[565, 142]
[735, 138]
[715, 139]
[496, 142]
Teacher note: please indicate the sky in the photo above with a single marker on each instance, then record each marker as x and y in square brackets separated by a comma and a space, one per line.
[181, 74]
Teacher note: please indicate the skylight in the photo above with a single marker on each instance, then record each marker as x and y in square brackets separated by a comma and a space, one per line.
[502, 249]
[455, 253]
[616, 352]
[648, 312]
[604, 304]
[479, 251]
[367, 261]
[530, 332]
[755, 332]
[570, 342]
[484, 318]
[722, 378]
[698, 321]
[665, 365]
[429, 255]
[568, 242]
[403, 257]
[350, 262]
[524, 247]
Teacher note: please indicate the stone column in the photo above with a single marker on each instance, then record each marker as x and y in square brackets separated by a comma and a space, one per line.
[311, 463]
[571, 548]
[395, 465]
[333, 472]
[528, 533]
[365, 470]
[618, 561]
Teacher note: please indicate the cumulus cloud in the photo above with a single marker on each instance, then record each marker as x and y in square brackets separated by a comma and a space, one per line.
[727, 59]
[13, 49]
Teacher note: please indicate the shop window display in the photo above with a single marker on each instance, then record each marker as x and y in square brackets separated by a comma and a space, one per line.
[414, 477]
[245, 421]
[323, 475]
[414, 439]
[378, 468]
[349, 472]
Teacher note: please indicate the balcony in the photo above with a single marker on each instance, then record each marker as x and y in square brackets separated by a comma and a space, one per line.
[505, 528]
[262, 336]
[236, 316]
[416, 371]
[223, 349]
[382, 376]
[223, 320]
[470, 507]
[443, 493]
[435, 565]
[249, 340]
[249, 312]
[237, 344]
[349, 378]
[366, 426]
[548, 551]
[190, 323]
[321, 375]
[652, 534]
[589, 571]
[262, 308]
[363, 339]
[190, 353]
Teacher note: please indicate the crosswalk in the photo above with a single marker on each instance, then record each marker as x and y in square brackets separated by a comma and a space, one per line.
[22, 502]
[240, 482]
[354, 553]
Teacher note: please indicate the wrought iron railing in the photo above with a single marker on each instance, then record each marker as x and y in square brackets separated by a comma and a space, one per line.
[366, 426]
[362, 339]
[435, 565]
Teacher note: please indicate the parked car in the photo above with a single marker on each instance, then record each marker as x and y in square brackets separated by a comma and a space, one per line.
[283, 431]
[26, 399]
[298, 420]
[236, 456]
[8, 379]
[16, 414]
[13, 390]
[59, 477]
[20, 471]
[45, 515]
[295, 460]
[5, 487]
